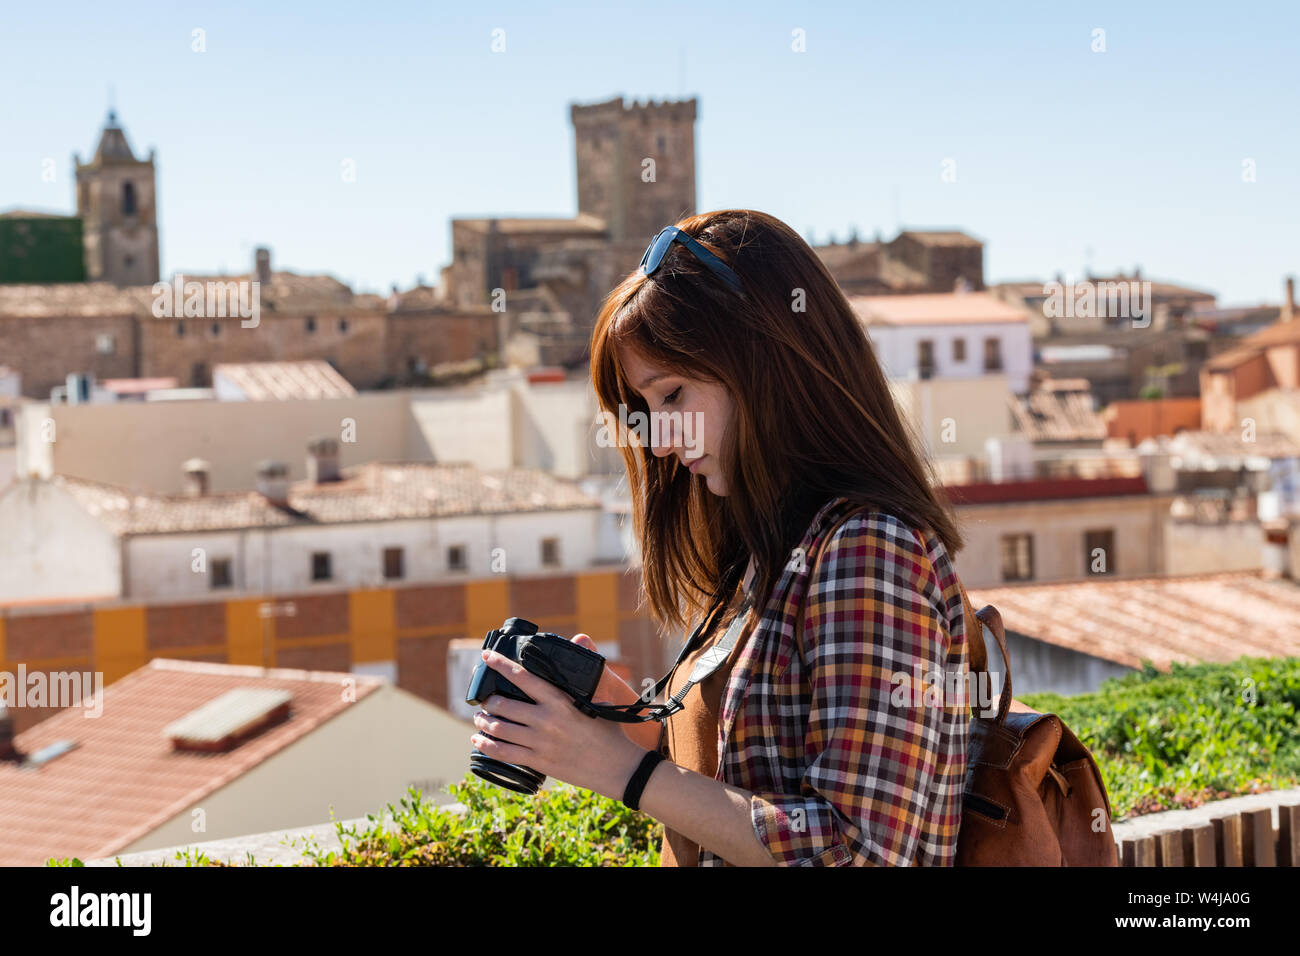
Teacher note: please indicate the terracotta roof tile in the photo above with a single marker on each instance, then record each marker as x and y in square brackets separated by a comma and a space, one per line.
[1192, 618]
[377, 491]
[264, 381]
[123, 780]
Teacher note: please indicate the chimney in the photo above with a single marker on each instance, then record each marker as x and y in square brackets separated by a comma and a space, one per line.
[197, 477]
[8, 752]
[263, 263]
[273, 482]
[1288, 303]
[322, 461]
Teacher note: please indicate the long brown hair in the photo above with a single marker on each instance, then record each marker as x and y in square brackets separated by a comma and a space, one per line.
[814, 417]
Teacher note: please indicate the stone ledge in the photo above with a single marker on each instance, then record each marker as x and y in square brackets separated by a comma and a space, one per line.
[1151, 823]
[267, 848]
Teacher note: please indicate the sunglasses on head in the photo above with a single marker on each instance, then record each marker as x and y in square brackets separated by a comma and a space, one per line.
[658, 248]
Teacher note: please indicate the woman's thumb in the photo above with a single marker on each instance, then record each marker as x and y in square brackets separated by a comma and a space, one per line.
[584, 640]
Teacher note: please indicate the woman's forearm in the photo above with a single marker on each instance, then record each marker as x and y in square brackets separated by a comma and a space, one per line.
[715, 815]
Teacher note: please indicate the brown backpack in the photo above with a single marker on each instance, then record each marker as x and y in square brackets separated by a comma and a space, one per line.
[1033, 793]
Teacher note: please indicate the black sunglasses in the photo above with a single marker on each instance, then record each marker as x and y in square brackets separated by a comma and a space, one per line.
[658, 248]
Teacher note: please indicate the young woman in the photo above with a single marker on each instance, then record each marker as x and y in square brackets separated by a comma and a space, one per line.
[810, 742]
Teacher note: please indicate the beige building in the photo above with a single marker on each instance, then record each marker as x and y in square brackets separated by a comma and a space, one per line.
[506, 421]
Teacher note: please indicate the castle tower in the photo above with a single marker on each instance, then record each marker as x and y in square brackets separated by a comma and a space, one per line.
[613, 143]
[116, 203]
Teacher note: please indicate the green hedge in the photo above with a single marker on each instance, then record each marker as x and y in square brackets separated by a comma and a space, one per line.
[1199, 733]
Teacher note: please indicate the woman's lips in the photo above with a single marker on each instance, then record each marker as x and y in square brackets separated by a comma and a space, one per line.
[695, 464]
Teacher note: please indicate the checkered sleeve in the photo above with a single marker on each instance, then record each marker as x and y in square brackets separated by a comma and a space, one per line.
[874, 617]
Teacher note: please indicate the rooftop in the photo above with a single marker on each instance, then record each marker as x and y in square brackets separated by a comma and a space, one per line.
[378, 491]
[1192, 618]
[124, 779]
[280, 381]
[944, 308]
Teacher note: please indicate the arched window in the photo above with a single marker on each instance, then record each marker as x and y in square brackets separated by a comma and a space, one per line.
[128, 199]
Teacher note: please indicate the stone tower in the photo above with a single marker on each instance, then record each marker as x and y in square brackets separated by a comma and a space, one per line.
[613, 144]
[116, 203]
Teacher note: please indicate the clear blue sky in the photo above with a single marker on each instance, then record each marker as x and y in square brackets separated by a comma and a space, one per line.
[1064, 157]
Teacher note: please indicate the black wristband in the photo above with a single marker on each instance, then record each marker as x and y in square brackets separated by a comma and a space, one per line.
[632, 795]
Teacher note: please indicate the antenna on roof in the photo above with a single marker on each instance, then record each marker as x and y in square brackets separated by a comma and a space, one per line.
[112, 109]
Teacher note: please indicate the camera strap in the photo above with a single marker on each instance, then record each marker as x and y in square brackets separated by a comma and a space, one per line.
[709, 662]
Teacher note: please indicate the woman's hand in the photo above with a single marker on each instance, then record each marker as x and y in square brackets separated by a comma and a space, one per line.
[552, 736]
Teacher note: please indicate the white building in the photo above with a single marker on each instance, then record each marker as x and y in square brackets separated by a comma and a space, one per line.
[957, 335]
[378, 524]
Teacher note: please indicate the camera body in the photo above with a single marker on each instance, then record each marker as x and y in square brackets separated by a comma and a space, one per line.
[569, 666]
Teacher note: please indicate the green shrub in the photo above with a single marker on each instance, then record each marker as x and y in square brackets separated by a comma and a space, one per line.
[1201, 732]
[561, 826]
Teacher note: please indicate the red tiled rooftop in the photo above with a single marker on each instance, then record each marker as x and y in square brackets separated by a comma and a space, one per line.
[123, 780]
[1044, 489]
[1189, 618]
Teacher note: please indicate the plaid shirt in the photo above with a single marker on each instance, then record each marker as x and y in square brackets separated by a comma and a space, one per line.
[844, 771]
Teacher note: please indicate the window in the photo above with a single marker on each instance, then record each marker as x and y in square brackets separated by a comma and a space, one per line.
[180, 330]
[992, 355]
[456, 558]
[343, 326]
[925, 358]
[216, 329]
[551, 552]
[662, 145]
[393, 564]
[321, 569]
[1099, 552]
[959, 350]
[220, 576]
[105, 343]
[5, 417]
[128, 261]
[128, 199]
[311, 323]
[1017, 557]
[199, 375]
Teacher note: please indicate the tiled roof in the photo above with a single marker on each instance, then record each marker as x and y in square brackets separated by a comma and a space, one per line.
[941, 237]
[377, 491]
[945, 308]
[1046, 489]
[1057, 412]
[123, 780]
[33, 214]
[88, 299]
[1279, 333]
[581, 223]
[1159, 290]
[1203, 449]
[279, 381]
[1193, 618]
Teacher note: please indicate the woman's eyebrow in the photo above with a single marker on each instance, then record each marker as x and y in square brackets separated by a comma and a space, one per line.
[652, 379]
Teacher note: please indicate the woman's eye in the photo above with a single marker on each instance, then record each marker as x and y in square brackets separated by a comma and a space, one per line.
[672, 396]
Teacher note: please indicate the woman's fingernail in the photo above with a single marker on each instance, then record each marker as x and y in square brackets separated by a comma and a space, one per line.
[486, 654]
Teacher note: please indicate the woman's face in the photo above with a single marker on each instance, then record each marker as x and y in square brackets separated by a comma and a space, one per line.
[688, 416]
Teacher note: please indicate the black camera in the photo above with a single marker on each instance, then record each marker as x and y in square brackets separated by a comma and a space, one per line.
[569, 666]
